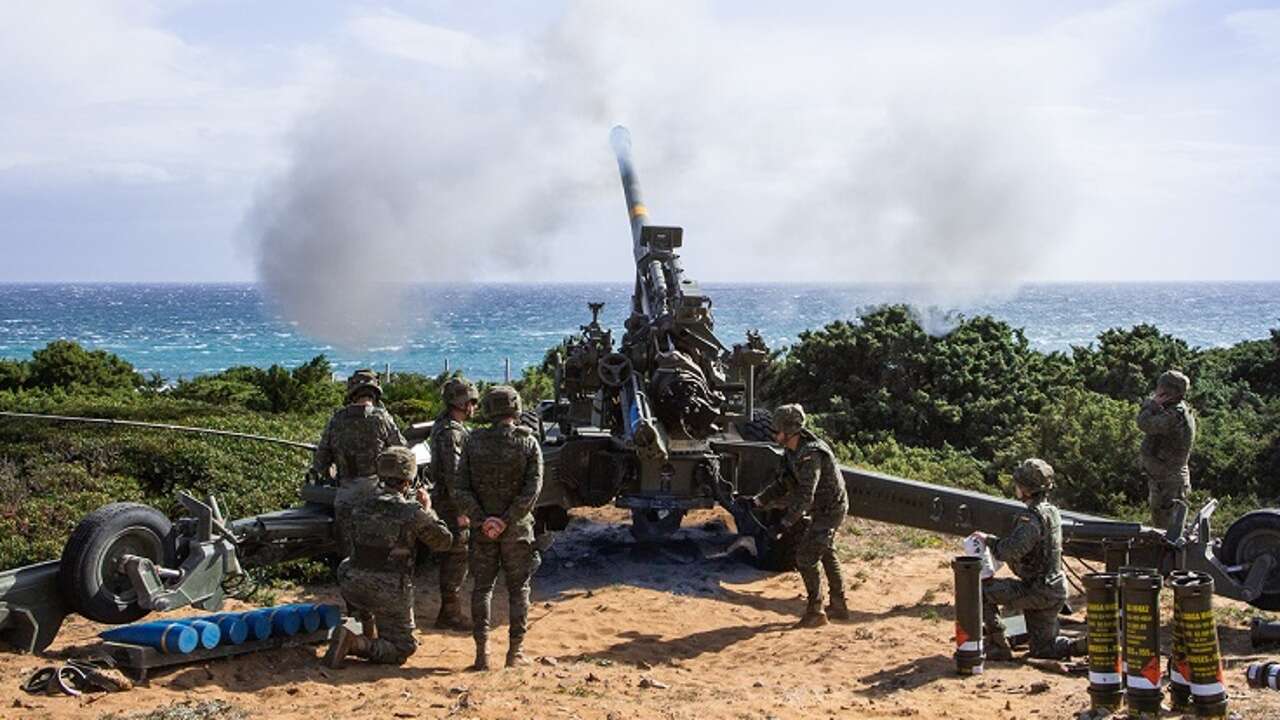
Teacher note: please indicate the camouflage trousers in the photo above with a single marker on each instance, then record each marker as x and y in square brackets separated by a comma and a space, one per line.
[1040, 604]
[453, 562]
[384, 599]
[1166, 496]
[817, 547]
[516, 559]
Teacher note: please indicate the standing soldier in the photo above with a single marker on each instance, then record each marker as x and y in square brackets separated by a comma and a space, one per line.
[1170, 429]
[447, 438]
[353, 439]
[1033, 551]
[810, 484]
[377, 577]
[499, 479]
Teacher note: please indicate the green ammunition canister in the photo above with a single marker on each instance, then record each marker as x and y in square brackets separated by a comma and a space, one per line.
[1179, 686]
[1263, 633]
[1193, 603]
[1115, 552]
[1263, 674]
[1102, 599]
[969, 653]
[1140, 596]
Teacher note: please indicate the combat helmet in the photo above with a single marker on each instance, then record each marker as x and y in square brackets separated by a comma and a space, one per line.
[364, 380]
[1175, 381]
[459, 392]
[789, 418]
[397, 465]
[502, 401]
[1034, 475]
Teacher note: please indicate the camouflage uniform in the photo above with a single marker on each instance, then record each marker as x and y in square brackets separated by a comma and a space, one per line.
[447, 438]
[1169, 434]
[500, 475]
[811, 484]
[377, 578]
[1033, 551]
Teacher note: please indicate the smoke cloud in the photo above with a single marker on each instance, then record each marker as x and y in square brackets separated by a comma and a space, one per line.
[787, 155]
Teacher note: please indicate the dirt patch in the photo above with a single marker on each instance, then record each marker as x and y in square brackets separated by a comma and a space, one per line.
[685, 629]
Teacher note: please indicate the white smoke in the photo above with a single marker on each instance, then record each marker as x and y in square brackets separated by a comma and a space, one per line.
[786, 155]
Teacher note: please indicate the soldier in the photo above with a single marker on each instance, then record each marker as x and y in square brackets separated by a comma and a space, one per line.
[499, 479]
[1170, 429]
[352, 440]
[377, 577]
[447, 438]
[1033, 551]
[810, 484]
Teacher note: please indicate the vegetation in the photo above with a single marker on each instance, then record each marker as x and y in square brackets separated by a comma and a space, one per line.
[961, 409]
[964, 408]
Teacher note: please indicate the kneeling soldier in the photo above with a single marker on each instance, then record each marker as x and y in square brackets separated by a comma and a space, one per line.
[1033, 551]
[377, 579]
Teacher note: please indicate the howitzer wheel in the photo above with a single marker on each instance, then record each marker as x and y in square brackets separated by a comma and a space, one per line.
[89, 573]
[532, 420]
[1252, 536]
[759, 428]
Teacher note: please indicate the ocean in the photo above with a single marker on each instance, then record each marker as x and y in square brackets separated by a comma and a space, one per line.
[180, 331]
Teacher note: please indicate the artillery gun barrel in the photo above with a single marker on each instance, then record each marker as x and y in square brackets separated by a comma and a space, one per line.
[620, 139]
[157, 426]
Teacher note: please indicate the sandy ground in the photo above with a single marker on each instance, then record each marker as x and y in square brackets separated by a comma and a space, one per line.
[675, 631]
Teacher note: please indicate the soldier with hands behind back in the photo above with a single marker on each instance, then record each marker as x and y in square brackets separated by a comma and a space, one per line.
[499, 479]
[812, 491]
[1033, 550]
[448, 435]
[1169, 430]
[377, 577]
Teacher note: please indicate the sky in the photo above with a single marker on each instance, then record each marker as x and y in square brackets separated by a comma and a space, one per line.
[319, 145]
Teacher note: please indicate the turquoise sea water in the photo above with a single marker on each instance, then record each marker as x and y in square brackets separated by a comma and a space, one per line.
[184, 330]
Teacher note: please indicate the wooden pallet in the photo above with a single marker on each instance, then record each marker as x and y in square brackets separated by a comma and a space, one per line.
[139, 660]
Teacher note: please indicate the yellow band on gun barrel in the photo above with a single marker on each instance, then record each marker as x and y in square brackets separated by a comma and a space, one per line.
[638, 210]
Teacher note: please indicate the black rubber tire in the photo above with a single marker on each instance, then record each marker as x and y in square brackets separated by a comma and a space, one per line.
[759, 429]
[1252, 535]
[647, 527]
[86, 574]
[532, 420]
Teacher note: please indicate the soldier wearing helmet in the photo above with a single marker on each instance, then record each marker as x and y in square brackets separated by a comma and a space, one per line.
[356, 434]
[1169, 430]
[376, 577]
[448, 435]
[499, 478]
[812, 491]
[1033, 550]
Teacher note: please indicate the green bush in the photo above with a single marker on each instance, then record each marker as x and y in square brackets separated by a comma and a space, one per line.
[65, 364]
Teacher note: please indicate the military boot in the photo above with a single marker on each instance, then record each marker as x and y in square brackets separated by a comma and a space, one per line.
[838, 609]
[515, 653]
[343, 643]
[451, 617]
[997, 647]
[813, 615]
[482, 655]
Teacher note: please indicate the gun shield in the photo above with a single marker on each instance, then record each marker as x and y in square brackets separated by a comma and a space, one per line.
[969, 652]
[1193, 603]
[1106, 681]
[1140, 595]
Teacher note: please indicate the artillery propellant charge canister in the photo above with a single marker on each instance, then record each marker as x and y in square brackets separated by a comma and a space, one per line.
[1179, 685]
[233, 628]
[969, 654]
[1102, 598]
[1193, 605]
[1115, 553]
[1262, 633]
[168, 637]
[258, 622]
[326, 616]
[284, 621]
[1263, 674]
[1140, 595]
[210, 634]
